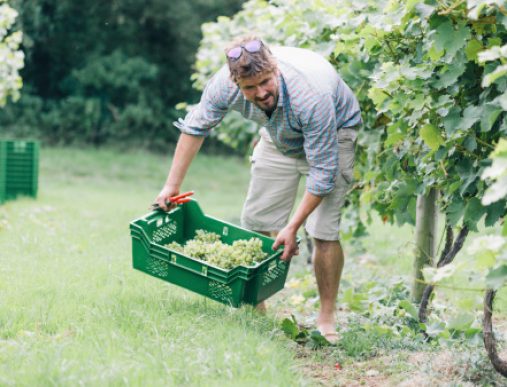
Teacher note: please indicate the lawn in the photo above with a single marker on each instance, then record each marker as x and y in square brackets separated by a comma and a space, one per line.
[72, 309]
[74, 312]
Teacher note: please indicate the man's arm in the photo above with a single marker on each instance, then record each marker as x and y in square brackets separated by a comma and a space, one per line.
[287, 236]
[186, 149]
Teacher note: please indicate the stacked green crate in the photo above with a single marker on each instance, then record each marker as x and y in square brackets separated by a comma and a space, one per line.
[3, 160]
[19, 169]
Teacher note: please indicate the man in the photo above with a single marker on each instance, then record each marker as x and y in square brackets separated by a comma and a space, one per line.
[310, 119]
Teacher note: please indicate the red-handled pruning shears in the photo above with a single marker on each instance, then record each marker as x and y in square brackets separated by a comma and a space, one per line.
[178, 199]
[181, 198]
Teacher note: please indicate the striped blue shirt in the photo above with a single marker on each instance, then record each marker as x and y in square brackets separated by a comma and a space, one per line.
[313, 103]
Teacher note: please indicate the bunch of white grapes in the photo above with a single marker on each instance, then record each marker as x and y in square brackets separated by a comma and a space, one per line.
[207, 246]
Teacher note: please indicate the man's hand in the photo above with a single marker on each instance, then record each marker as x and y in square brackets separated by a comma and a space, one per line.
[163, 197]
[287, 237]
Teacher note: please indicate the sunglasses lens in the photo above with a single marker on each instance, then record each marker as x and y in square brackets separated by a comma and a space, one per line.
[253, 46]
[234, 53]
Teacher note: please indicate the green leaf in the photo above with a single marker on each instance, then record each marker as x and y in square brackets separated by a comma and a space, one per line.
[451, 40]
[455, 211]
[489, 116]
[471, 115]
[473, 47]
[453, 187]
[496, 191]
[470, 143]
[290, 328]
[491, 54]
[354, 300]
[494, 212]
[317, 340]
[452, 120]
[468, 303]
[431, 136]
[435, 328]
[496, 278]
[393, 138]
[469, 185]
[417, 103]
[377, 96]
[484, 259]
[474, 210]
[461, 322]
[435, 54]
[500, 148]
[499, 72]
[440, 154]
[424, 10]
[450, 74]
[502, 19]
[494, 41]
[410, 308]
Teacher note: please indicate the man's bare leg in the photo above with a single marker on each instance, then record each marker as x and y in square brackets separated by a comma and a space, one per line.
[328, 264]
[261, 306]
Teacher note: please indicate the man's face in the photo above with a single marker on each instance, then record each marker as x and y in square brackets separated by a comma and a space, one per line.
[262, 90]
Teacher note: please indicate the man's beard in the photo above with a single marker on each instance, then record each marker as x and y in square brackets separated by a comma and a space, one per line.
[268, 109]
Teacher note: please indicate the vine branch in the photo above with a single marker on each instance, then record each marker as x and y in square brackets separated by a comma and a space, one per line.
[489, 338]
[449, 252]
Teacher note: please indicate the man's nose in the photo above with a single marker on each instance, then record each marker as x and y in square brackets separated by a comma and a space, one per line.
[261, 93]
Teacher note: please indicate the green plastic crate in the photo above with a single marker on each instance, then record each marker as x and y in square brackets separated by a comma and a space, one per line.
[19, 169]
[240, 285]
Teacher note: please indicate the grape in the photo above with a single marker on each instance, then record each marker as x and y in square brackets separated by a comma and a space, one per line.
[207, 247]
[175, 246]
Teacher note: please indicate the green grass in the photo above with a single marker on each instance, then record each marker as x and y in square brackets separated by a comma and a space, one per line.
[72, 309]
[74, 312]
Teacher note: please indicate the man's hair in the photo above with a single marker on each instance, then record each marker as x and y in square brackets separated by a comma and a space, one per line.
[250, 64]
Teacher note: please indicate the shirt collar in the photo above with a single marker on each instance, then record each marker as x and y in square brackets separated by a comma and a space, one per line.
[281, 89]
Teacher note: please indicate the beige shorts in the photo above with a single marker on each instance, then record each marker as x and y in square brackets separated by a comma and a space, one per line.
[274, 183]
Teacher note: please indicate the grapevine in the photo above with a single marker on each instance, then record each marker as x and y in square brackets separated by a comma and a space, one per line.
[207, 247]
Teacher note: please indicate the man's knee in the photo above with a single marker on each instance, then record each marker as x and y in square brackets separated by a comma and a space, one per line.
[325, 249]
[320, 243]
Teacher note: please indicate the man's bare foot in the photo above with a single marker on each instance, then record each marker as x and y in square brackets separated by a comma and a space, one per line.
[261, 307]
[332, 337]
[327, 328]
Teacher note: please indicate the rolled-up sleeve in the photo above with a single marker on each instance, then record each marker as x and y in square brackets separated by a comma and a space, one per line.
[321, 147]
[210, 110]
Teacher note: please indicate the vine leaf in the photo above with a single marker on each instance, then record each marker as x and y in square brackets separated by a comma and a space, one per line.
[472, 50]
[451, 40]
[494, 212]
[471, 115]
[450, 74]
[474, 210]
[455, 211]
[489, 116]
[409, 308]
[461, 322]
[431, 136]
[497, 277]
[452, 120]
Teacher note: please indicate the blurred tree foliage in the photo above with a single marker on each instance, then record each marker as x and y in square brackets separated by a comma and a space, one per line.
[107, 71]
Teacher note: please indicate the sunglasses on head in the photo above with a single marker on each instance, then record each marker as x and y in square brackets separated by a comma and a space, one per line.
[251, 46]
